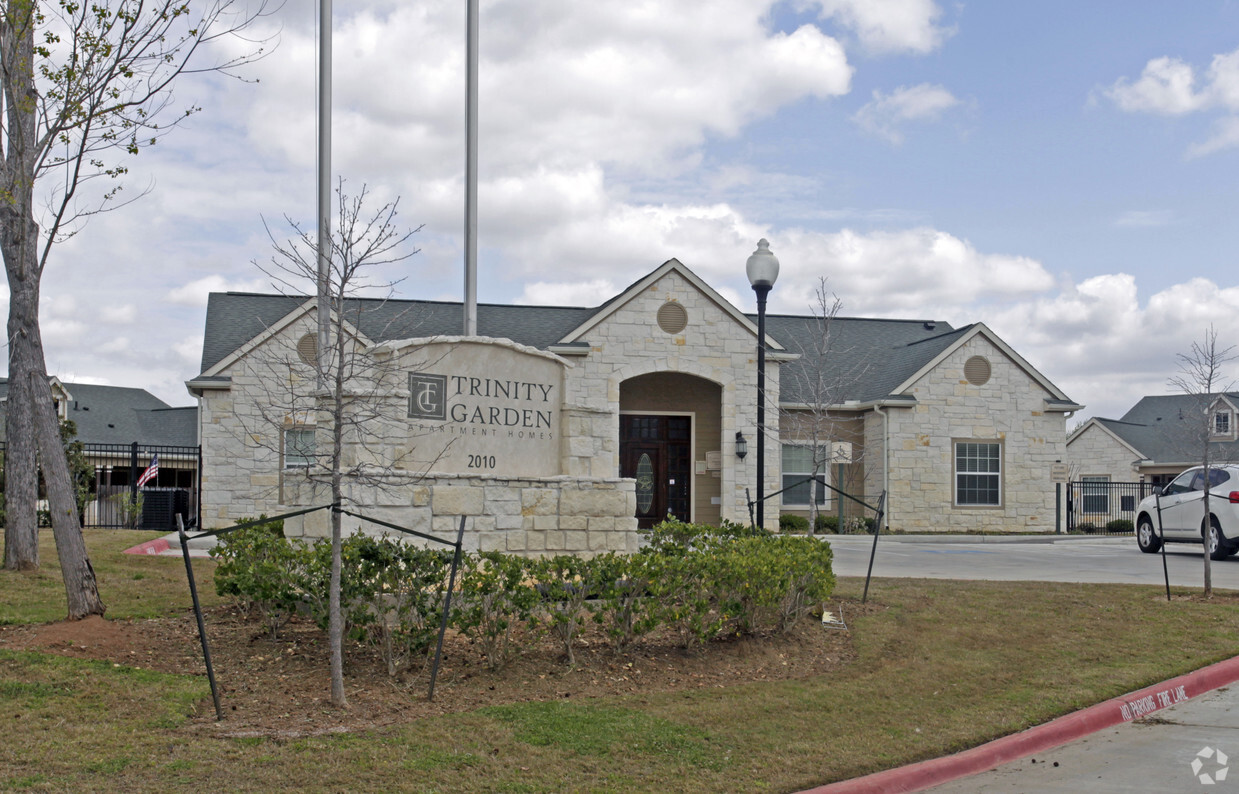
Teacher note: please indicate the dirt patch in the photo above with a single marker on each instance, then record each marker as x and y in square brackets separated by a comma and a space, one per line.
[281, 686]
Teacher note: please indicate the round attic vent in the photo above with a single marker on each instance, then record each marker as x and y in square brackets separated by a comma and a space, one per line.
[672, 317]
[977, 370]
[307, 349]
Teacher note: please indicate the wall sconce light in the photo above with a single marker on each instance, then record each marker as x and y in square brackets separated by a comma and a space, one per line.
[742, 446]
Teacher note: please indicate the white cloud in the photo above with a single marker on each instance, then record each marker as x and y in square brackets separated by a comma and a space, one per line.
[890, 26]
[566, 293]
[1145, 218]
[196, 292]
[1104, 348]
[884, 114]
[1225, 136]
[1169, 86]
[123, 314]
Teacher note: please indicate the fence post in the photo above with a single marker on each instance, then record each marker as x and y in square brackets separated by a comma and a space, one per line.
[133, 473]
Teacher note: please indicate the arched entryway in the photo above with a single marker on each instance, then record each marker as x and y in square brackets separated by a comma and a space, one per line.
[670, 441]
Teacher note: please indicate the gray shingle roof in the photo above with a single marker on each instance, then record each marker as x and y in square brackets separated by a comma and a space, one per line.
[1160, 428]
[234, 318]
[122, 415]
[870, 357]
[867, 358]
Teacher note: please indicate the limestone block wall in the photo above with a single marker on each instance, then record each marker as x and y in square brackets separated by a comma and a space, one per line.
[1095, 452]
[240, 427]
[1009, 409]
[713, 345]
[525, 516]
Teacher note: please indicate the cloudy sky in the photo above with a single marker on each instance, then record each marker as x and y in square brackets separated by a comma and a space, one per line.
[1066, 172]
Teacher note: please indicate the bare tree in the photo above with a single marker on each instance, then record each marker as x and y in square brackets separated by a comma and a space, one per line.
[822, 379]
[1201, 376]
[351, 416]
[83, 86]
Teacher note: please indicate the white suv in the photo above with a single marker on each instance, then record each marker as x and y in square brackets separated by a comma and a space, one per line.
[1182, 513]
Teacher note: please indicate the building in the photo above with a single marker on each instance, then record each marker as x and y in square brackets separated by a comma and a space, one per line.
[1157, 439]
[120, 429]
[562, 428]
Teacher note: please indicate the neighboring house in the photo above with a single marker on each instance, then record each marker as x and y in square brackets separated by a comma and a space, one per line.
[1156, 440]
[111, 419]
[645, 398]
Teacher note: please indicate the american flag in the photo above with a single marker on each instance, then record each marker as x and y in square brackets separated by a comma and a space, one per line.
[151, 471]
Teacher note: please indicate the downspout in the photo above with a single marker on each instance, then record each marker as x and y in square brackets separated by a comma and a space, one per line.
[886, 467]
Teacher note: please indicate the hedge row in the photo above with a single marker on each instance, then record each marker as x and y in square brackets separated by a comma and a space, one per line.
[699, 581]
[853, 525]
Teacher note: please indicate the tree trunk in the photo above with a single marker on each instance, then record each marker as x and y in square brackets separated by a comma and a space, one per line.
[33, 429]
[21, 481]
[18, 238]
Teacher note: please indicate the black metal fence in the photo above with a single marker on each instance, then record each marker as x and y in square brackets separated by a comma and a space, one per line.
[115, 500]
[1104, 508]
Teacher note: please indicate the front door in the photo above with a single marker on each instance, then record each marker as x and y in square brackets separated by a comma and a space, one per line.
[656, 451]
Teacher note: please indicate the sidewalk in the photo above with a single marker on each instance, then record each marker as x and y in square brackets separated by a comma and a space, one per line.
[1157, 739]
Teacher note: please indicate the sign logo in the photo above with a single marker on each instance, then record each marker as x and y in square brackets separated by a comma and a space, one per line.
[1218, 763]
[427, 396]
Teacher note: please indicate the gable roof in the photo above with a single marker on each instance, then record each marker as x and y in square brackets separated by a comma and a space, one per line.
[1156, 427]
[898, 350]
[123, 415]
[234, 318]
[642, 284]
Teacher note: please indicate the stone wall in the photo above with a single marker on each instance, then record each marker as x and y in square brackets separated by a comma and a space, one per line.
[628, 342]
[1009, 409]
[1095, 452]
[527, 516]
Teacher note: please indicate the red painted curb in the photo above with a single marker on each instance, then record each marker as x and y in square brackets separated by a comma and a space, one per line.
[1134, 705]
[156, 546]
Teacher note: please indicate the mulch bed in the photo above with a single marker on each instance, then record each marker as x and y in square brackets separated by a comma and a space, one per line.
[280, 687]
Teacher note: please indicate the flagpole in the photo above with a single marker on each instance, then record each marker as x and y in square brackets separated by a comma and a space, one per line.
[471, 169]
[324, 189]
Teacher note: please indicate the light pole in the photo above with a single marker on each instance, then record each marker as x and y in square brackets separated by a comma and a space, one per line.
[762, 269]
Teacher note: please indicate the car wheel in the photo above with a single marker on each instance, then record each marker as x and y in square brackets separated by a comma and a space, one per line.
[1218, 545]
[1146, 536]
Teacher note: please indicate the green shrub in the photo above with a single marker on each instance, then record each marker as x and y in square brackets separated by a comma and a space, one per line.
[1085, 528]
[674, 536]
[563, 584]
[256, 568]
[625, 609]
[683, 590]
[1120, 525]
[825, 523]
[399, 592]
[809, 575]
[494, 597]
[789, 522]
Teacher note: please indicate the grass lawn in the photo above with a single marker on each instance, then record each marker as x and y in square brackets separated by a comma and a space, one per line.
[943, 666]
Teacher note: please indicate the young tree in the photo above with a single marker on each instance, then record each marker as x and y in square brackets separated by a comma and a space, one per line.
[353, 404]
[823, 378]
[1201, 376]
[83, 86]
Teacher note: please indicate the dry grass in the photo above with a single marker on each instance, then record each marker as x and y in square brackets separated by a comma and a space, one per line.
[939, 666]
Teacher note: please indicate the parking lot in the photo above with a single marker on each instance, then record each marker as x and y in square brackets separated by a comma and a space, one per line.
[1049, 559]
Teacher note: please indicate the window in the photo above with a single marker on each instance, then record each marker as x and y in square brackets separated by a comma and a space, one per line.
[797, 467]
[1095, 494]
[1221, 423]
[978, 474]
[298, 447]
